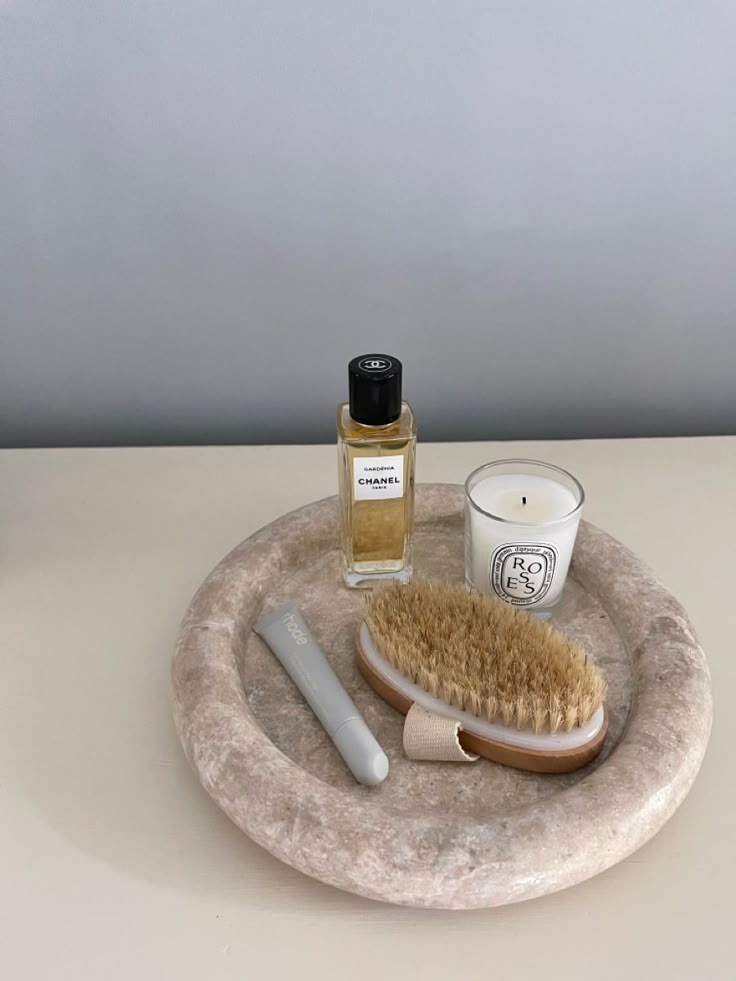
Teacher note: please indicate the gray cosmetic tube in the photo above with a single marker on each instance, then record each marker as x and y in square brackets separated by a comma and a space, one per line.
[288, 636]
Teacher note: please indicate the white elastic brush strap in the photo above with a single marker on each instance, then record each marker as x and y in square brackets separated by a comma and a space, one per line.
[523, 738]
[428, 736]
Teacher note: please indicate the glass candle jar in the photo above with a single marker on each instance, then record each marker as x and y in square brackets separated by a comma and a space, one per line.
[521, 519]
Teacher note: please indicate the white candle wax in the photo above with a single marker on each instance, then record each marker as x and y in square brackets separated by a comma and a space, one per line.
[520, 549]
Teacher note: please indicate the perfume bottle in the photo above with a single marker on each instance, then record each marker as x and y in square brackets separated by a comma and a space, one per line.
[376, 441]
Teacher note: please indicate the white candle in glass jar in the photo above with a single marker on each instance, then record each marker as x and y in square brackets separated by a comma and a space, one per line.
[521, 520]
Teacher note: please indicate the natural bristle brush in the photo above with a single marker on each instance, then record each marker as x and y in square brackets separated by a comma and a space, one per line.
[524, 694]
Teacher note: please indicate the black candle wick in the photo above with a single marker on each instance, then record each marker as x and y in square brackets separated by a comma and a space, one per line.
[523, 500]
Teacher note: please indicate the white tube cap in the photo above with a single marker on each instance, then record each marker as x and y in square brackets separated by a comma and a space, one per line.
[358, 747]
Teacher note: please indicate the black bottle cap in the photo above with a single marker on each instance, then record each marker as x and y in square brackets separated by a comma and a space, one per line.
[375, 389]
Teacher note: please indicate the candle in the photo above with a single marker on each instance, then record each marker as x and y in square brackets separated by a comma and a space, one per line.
[521, 519]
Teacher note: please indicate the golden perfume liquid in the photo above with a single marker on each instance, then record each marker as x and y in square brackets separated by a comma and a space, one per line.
[376, 473]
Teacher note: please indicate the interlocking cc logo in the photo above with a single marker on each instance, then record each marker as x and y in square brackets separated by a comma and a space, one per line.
[374, 364]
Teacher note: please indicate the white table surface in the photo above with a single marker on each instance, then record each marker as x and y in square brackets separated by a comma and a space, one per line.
[114, 864]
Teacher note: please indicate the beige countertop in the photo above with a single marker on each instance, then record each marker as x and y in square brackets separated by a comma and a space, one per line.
[115, 864]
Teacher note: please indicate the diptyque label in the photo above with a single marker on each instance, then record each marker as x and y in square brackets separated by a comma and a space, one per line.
[378, 478]
[522, 572]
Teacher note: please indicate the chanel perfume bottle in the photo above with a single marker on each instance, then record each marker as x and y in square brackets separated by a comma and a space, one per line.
[376, 441]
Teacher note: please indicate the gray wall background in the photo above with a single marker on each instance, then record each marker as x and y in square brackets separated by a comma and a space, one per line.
[209, 207]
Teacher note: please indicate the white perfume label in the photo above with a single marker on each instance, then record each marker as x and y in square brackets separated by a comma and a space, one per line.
[522, 572]
[378, 478]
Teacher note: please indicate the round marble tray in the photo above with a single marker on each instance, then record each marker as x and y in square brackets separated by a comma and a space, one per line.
[445, 835]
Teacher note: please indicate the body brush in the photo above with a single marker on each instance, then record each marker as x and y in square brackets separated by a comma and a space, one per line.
[525, 694]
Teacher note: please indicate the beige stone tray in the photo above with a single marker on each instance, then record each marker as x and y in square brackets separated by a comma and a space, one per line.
[442, 835]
